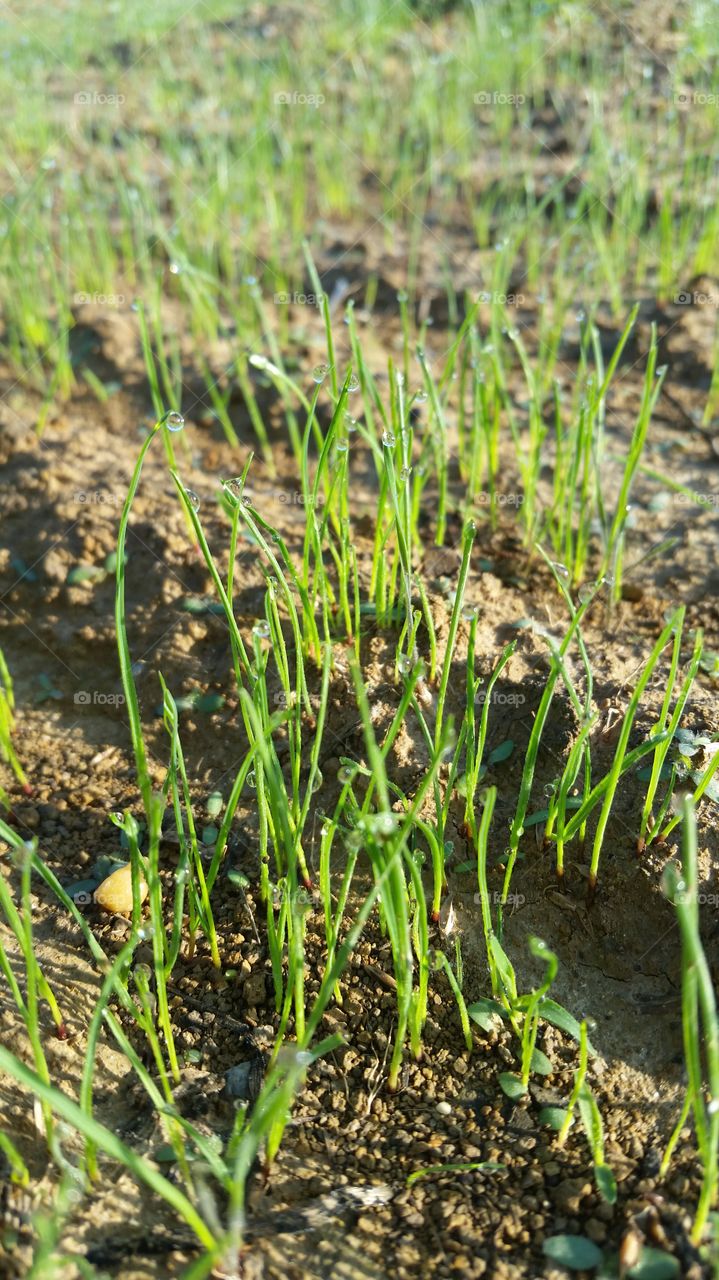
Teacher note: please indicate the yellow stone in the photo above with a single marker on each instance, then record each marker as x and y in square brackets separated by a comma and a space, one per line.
[115, 893]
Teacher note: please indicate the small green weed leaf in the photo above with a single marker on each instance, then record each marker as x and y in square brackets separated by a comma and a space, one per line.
[111, 561]
[554, 1117]
[654, 1264]
[561, 1018]
[214, 804]
[485, 1013]
[576, 1253]
[84, 573]
[502, 752]
[541, 1064]
[512, 1085]
[606, 1183]
[164, 1155]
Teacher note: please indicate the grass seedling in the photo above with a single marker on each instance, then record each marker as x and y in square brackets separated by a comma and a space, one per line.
[7, 726]
[700, 1028]
[650, 829]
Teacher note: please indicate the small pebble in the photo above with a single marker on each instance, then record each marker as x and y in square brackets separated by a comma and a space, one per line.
[444, 1109]
[115, 893]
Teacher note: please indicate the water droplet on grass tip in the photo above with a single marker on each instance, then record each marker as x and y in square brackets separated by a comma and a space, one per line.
[382, 825]
[420, 397]
[389, 440]
[404, 664]
[233, 487]
[560, 569]
[353, 383]
[342, 444]
[350, 422]
[346, 773]
[468, 613]
[405, 474]
[174, 421]
[585, 593]
[320, 371]
[193, 499]
[251, 780]
[175, 269]
[261, 629]
[317, 781]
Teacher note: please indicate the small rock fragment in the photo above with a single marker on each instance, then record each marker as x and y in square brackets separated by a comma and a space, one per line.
[115, 893]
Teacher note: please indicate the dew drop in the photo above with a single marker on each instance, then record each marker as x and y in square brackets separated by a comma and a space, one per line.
[384, 825]
[404, 664]
[353, 383]
[261, 629]
[320, 371]
[233, 487]
[468, 613]
[420, 397]
[174, 421]
[405, 474]
[350, 422]
[175, 269]
[389, 439]
[193, 499]
[346, 773]
[560, 569]
[251, 780]
[317, 781]
[585, 593]
[342, 444]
